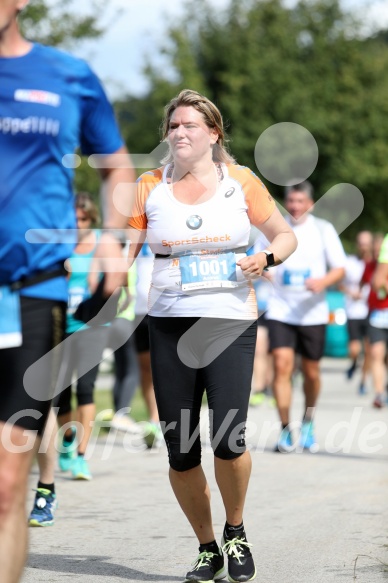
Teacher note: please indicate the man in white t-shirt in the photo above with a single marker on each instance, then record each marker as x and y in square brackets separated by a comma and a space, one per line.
[297, 311]
[356, 304]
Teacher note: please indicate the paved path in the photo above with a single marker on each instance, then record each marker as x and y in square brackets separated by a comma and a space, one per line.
[309, 516]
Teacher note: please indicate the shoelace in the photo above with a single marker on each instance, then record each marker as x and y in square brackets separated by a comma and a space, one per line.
[235, 547]
[203, 560]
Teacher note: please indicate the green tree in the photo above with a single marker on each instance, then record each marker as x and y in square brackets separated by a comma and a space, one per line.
[60, 24]
[263, 62]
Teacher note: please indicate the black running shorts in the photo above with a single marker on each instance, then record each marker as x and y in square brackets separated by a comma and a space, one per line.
[357, 329]
[377, 334]
[308, 341]
[26, 402]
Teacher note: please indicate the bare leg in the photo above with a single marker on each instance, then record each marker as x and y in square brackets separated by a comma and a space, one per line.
[311, 384]
[260, 374]
[193, 494]
[354, 349]
[377, 354]
[47, 453]
[270, 371]
[65, 420]
[232, 477]
[366, 365]
[14, 470]
[283, 365]
[85, 416]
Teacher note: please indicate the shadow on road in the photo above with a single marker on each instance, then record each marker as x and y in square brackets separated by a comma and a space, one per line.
[91, 565]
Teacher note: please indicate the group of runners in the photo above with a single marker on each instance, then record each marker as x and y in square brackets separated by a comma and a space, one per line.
[195, 212]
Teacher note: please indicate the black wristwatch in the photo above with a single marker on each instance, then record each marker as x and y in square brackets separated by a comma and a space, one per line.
[270, 258]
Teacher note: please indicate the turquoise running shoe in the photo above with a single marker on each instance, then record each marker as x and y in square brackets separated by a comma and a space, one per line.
[284, 443]
[80, 469]
[306, 437]
[45, 505]
[67, 453]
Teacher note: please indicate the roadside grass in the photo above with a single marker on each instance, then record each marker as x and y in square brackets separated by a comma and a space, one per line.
[103, 400]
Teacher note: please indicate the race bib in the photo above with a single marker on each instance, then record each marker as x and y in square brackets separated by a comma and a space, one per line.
[296, 278]
[10, 321]
[379, 318]
[208, 271]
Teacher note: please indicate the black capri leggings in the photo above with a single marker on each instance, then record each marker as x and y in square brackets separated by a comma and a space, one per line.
[82, 353]
[189, 356]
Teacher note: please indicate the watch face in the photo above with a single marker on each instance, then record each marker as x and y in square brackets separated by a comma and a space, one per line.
[270, 259]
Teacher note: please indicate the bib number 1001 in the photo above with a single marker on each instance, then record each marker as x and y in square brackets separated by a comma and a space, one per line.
[200, 272]
[212, 267]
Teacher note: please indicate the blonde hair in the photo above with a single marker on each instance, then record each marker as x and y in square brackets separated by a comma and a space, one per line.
[211, 116]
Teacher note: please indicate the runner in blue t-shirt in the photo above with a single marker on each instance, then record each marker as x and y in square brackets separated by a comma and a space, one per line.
[51, 103]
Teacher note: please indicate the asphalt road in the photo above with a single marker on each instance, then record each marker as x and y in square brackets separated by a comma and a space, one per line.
[312, 517]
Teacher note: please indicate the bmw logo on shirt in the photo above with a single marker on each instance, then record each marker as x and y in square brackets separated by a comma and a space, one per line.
[194, 222]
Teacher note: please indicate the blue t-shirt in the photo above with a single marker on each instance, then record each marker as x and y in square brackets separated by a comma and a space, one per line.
[50, 104]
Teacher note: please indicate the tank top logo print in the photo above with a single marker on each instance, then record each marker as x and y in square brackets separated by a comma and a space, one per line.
[194, 222]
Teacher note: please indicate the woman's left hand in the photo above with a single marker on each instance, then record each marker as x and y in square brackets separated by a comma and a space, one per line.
[252, 266]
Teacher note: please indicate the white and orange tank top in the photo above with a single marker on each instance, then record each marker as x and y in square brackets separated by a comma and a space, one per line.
[197, 246]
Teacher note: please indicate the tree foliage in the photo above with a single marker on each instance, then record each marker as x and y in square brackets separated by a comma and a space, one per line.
[60, 23]
[263, 62]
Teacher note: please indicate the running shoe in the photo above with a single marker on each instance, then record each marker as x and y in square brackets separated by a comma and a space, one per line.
[105, 416]
[103, 420]
[378, 403]
[80, 469]
[126, 424]
[67, 453]
[306, 437]
[152, 435]
[284, 443]
[272, 402]
[257, 399]
[45, 505]
[351, 370]
[362, 389]
[208, 567]
[241, 566]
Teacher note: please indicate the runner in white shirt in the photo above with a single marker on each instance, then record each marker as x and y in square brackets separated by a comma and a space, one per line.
[298, 312]
[196, 212]
[356, 305]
